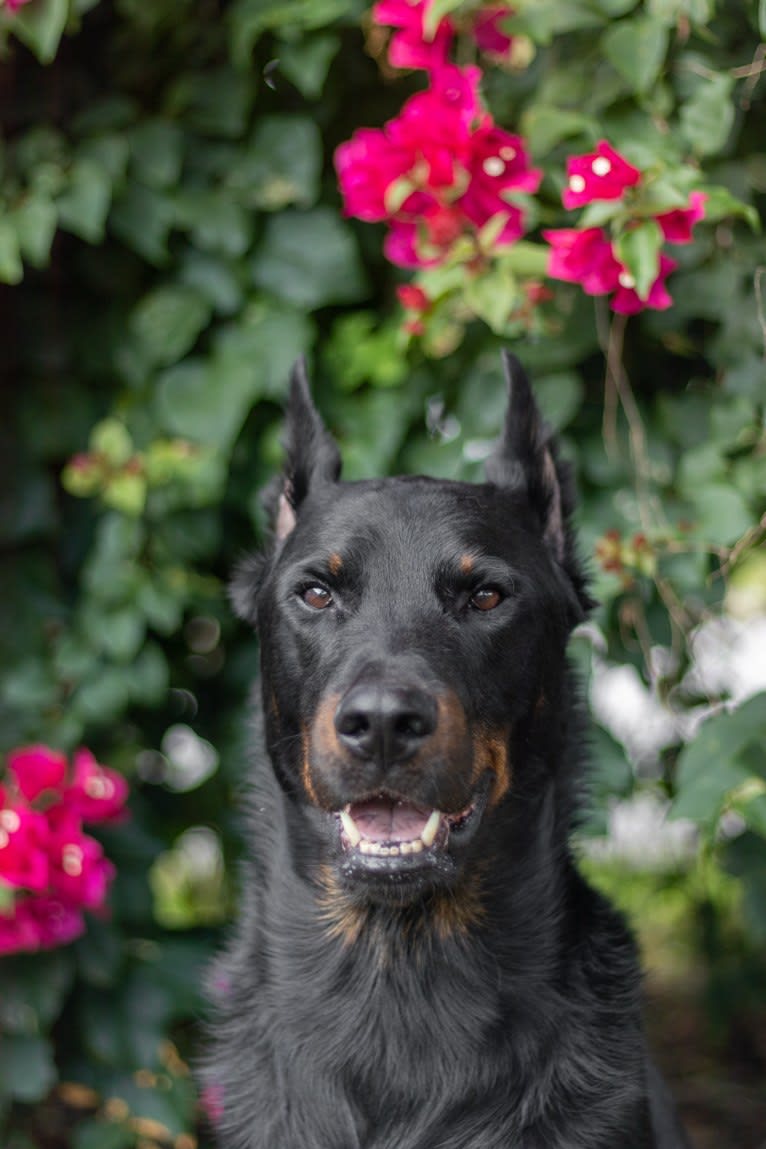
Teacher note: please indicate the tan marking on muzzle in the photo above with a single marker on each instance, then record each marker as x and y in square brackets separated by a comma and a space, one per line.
[491, 753]
[339, 915]
[320, 742]
[308, 785]
[458, 913]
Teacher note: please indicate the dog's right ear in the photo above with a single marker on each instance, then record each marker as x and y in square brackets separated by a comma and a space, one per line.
[312, 459]
[312, 455]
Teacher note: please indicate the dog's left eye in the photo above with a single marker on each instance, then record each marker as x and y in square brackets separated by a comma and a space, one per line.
[317, 597]
[485, 598]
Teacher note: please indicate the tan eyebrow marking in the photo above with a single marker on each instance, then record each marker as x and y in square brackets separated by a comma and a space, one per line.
[335, 563]
[466, 564]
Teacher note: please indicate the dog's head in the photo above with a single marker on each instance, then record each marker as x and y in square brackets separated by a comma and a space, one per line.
[410, 629]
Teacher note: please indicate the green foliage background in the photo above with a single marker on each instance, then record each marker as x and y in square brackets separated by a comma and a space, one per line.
[170, 240]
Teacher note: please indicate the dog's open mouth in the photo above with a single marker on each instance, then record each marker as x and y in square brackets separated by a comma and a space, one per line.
[389, 832]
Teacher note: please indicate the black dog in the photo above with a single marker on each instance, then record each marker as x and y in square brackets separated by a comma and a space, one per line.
[419, 964]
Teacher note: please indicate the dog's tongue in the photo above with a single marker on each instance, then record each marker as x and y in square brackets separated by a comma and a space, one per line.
[384, 820]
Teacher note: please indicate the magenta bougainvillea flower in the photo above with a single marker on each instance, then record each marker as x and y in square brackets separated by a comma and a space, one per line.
[36, 769]
[488, 33]
[677, 224]
[51, 868]
[600, 175]
[585, 257]
[14, 5]
[410, 45]
[626, 299]
[23, 844]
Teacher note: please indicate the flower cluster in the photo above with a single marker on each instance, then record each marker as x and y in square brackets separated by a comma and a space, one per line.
[50, 869]
[589, 256]
[441, 170]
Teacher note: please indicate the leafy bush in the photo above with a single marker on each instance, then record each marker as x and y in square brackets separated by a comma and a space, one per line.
[171, 238]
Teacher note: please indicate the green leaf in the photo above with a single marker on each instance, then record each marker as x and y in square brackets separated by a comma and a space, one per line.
[636, 48]
[721, 204]
[281, 166]
[310, 260]
[216, 102]
[157, 148]
[217, 223]
[11, 267]
[721, 515]
[560, 397]
[33, 989]
[762, 18]
[29, 1071]
[251, 18]
[709, 767]
[528, 259]
[142, 218]
[168, 322]
[492, 296]
[546, 126]
[307, 61]
[638, 249]
[150, 676]
[41, 26]
[84, 205]
[706, 119]
[35, 222]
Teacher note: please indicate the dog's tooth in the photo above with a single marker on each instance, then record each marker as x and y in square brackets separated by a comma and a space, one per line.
[416, 845]
[431, 828]
[349, 828]
[384, 851]
[405, 847]
[394, 851]
[365, 846]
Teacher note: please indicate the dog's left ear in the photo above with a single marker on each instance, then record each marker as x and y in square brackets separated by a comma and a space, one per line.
[312, 455]
[526, 462]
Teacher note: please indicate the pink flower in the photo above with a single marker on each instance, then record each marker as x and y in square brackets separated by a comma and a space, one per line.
[628, 302]
[367, 165]
[600, 175]
[435, 127]
[488, 32]
[58, 924]
[38, 923]
[36, 769]
[584, 257]
[97, 793]
[79, 872]
[23, 842]
[14, 5]
[211, 1100]
[677, 224]
[498, 164]
[410, 46]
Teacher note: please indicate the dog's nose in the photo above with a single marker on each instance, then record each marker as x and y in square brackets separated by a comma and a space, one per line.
[385, 723]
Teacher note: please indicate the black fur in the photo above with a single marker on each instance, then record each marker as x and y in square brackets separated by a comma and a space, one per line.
[477, 994]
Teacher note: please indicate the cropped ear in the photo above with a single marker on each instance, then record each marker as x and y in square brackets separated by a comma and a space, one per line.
[312, 455]
[524, 459]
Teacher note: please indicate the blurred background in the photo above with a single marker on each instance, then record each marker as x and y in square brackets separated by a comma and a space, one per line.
[171, 238]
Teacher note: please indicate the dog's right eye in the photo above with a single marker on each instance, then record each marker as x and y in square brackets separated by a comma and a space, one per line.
[317, 597]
